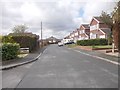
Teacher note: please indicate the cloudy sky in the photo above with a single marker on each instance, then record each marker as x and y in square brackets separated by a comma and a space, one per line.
[59, 17]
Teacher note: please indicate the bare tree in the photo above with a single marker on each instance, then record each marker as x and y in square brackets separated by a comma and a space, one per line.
[19, 29]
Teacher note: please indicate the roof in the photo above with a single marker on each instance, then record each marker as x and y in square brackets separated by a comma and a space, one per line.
[88, 33]
[86, 26]
[52, 38]
[76, 30]
[99, 19]
[106, 30]
[66, 37]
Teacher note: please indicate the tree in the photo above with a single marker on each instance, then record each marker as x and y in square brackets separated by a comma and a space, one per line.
[113, 21]
[19, 29]
[116, 21]
[107, 19]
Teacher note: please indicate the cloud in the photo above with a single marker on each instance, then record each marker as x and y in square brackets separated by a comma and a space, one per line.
[59, 17]
[94, 8]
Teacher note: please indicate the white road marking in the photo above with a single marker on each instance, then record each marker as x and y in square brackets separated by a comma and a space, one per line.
[113, 62]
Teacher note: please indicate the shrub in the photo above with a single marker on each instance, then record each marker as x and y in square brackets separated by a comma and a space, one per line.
[24, 41]
[7, 39]
[92, 42]
[0, 38]
[10, 51]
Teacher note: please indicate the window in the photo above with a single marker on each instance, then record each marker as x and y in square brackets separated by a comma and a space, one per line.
[102, 36]
[82, 31]
[94, 27]
[92, 36]
[76, 34]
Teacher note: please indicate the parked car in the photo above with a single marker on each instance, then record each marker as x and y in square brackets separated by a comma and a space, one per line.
[60, 44]
[69, 42]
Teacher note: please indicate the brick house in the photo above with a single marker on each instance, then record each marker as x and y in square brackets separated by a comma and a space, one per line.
[76, 35]
[98, 29]
[84, 32]
[67, 37]
[72, 35]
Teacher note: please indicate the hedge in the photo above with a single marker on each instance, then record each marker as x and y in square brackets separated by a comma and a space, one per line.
[92, 42]
[30, 42]
[10, 51]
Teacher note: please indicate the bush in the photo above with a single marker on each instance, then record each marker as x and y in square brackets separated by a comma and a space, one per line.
[92, 42]
[7, 39]
[30, 42]
[0, 38]
[10, 51]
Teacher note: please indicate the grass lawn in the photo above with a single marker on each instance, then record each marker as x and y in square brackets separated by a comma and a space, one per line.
[103, 46]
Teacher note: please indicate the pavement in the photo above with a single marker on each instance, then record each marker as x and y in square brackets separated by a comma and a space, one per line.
[101, 53]
[61, 67]
[116, 54]
[113, 54]
[21, 61]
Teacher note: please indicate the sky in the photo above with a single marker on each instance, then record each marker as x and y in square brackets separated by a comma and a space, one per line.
[59, 17]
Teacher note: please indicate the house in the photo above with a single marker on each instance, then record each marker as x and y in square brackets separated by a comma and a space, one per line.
[84, 32]
[67, 37]
[52, 40]
[72, 35]
[76, 35]
[98, 29]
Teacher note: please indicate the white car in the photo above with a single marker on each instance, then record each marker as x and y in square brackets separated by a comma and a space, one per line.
[60, 44]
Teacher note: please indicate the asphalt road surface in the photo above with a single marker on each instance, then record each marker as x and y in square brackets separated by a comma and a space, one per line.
[60, 67]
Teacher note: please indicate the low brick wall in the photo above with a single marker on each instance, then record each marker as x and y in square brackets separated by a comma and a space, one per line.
[108, 51]
[100, 48]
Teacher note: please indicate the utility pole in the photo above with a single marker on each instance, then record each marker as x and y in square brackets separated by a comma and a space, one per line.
[41, 35]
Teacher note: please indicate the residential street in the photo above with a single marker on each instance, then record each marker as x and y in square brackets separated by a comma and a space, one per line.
[60, 44]
[60, 67]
